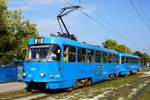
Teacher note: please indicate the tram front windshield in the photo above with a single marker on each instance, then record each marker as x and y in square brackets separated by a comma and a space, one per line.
[44, 53]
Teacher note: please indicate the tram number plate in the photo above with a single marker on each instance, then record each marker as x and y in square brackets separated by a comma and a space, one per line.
[32, 69]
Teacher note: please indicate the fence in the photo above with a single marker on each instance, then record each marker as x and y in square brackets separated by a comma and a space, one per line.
[10, 73]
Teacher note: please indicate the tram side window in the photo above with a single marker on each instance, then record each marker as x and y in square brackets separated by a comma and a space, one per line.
[135, 60]
[69, 53]
[117, 58]
[131, 60]
[81, 55]
[127, 60]
[90, 55]
[109, 58]
[123, 60]
[114, 58]
[98, 57]
[104, 57]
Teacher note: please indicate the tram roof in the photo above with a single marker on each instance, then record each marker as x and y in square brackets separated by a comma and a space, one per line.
[67, 41]
[128, 55]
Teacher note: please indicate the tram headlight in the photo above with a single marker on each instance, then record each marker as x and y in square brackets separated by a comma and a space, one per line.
[24, 74]
[42, 74]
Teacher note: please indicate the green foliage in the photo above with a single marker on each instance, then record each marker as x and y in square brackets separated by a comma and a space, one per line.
[112, 44]
[14, 33]
[144, 57]
[3, 9]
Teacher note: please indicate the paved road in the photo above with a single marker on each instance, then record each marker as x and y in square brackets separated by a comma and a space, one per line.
[7, 87]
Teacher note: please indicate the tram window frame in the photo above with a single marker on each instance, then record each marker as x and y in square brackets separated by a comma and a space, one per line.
[135, 60]
[132, 60]
[81, 54]
[98, 56]
[104, 57]
[114, 58]
[117, 58]
[70, 53]
[90, 56]
[127, 60]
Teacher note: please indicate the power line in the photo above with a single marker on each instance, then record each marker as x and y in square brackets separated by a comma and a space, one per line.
[144, 15]
[112, 29]
[139, 14]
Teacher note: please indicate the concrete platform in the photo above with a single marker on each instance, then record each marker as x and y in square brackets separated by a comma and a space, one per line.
[14, 86]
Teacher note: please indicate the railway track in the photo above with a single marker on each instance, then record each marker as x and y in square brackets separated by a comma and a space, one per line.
[126, 87]
[140, 92]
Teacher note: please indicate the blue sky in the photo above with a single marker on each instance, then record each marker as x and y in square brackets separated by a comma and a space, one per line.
[116, 14]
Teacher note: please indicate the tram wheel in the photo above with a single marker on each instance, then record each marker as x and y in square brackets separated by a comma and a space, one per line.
[89, 82]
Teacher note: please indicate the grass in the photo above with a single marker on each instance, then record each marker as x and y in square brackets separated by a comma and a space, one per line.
[145, 95]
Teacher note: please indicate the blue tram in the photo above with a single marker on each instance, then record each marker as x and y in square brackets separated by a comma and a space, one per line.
[61, 63]
[129, 64]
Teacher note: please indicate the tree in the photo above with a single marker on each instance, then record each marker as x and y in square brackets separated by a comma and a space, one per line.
[3, 9]
[138, 53]
[3, 29]
[112, 44]
[15, 33]
[20, 31]
[123, 48]
[143, 56]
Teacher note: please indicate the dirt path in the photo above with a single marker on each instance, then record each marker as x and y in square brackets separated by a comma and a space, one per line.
[7, 87]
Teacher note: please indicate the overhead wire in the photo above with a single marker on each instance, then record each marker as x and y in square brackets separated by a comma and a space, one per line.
[139, 14]
[144, 14]
[112, 29]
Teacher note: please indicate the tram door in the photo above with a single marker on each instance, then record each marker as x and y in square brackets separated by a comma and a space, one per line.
[98, 72]
[98, 66]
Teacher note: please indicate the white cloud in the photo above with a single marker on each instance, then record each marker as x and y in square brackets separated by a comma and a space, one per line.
[40, 2]
[33, 4]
